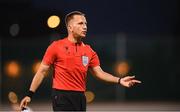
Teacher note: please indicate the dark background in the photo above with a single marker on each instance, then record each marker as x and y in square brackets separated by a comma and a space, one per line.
[150, 29]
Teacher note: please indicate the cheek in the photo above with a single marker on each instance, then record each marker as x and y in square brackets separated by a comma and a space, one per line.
[77, 30]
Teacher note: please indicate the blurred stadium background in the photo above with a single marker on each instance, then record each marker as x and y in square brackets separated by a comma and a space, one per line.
[131, 37]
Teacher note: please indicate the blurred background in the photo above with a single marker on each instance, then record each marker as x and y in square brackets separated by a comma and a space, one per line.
[131, 37]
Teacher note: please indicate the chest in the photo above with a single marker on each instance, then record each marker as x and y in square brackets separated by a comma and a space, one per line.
[74, 57]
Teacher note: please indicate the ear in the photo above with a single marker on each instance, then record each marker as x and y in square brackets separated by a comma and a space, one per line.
[70, 28]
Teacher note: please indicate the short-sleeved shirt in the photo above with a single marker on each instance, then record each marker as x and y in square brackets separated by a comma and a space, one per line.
[70, 62]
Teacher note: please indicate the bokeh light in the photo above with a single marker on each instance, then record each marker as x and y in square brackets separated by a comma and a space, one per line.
[14, 29]
[12, 97]
[12, 69]
[35, 66]
[89, 96]
[122, 68]
[53, 21]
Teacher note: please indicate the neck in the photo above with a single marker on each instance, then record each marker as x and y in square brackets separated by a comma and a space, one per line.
[74, 39]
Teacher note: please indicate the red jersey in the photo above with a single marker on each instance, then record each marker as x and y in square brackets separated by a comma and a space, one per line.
[70, 61]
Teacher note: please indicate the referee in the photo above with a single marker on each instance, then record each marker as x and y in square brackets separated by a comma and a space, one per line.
[71, 59]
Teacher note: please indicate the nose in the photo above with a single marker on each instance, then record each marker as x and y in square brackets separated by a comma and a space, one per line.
[84, 27]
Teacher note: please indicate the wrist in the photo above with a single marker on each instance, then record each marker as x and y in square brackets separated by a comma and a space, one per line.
[119, 81]
[30, 94]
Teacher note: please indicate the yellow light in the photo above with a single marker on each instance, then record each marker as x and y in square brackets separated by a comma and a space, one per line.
[12, 69]
[35, 66]
[53, 21]
[12, 97]
[122, 68]
[89, 96]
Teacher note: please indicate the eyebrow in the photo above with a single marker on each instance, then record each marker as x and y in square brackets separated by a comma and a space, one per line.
[82, 22]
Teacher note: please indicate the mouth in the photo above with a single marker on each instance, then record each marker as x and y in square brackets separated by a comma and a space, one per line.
[84, 32]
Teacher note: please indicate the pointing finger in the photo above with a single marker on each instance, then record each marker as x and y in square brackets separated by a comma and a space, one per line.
[136, 81]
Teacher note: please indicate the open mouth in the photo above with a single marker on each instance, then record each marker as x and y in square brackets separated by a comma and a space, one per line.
[84, 32]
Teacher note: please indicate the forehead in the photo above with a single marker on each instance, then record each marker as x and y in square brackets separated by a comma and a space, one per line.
[78, 18]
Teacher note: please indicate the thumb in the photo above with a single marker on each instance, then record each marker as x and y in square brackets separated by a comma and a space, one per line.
[128, 78]
[24, 102]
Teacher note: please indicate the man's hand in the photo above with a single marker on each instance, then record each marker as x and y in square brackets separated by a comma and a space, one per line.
[24, 102]
[129, 81]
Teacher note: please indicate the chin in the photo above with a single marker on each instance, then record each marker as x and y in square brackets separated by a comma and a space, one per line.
[83, 36]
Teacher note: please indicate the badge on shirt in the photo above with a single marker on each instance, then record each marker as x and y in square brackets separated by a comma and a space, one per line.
[85, 60]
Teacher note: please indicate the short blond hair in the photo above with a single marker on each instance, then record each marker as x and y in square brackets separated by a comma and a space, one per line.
[70, 16]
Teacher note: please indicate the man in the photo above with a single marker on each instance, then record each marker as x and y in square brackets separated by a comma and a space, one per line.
[71, 59]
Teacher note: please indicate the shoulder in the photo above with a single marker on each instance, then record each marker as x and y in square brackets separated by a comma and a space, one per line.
[57, 42]
[88, 47]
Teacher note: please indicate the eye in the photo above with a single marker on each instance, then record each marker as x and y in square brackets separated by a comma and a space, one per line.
[81, 23]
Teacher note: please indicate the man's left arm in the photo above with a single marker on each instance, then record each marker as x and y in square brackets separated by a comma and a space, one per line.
[127, 81]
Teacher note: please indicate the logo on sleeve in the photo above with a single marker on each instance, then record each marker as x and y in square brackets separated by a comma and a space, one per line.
[85, 60]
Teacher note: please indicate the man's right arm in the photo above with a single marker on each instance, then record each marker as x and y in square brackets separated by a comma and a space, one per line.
[39, 76]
